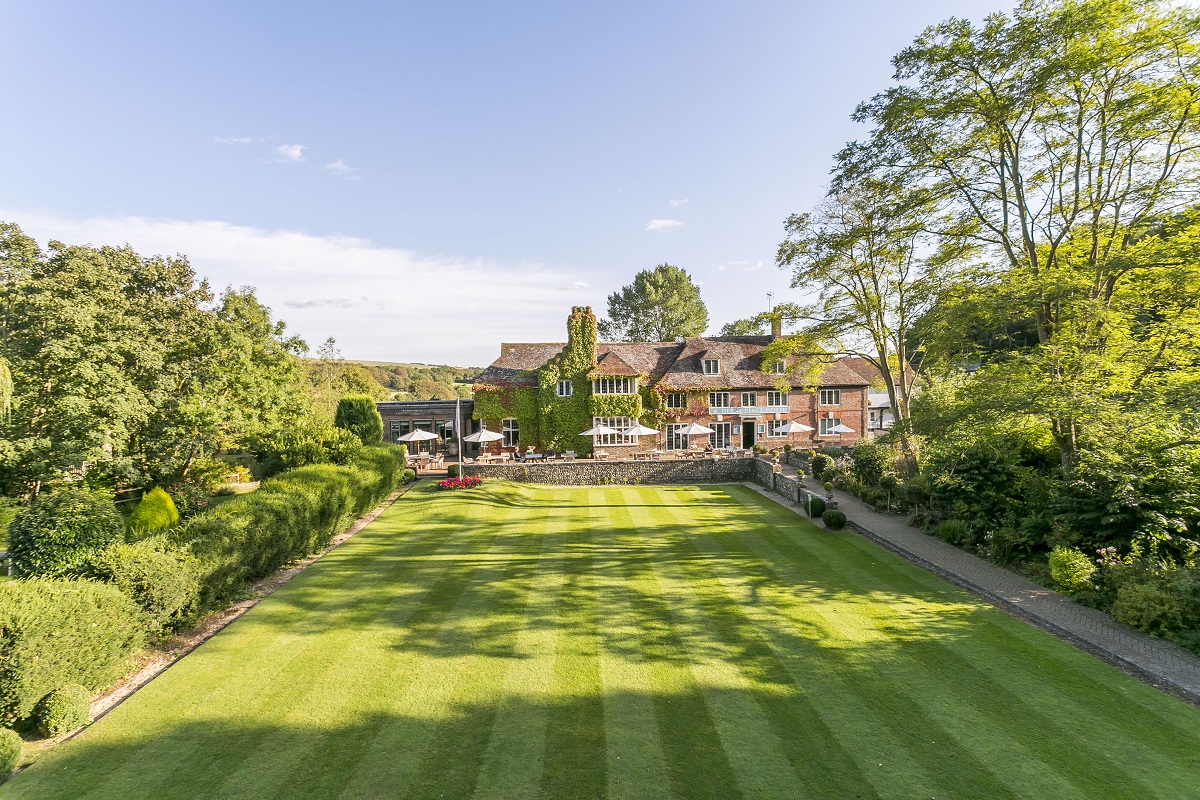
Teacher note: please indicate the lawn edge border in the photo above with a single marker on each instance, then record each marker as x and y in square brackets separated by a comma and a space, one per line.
[220, 620]
[1163, 683]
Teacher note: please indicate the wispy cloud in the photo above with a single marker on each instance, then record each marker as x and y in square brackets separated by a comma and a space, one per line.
[342, 170]
[682, 202]
[291, 152]
[351, 288]
[233, 139]
[663, 225]
[574, 286]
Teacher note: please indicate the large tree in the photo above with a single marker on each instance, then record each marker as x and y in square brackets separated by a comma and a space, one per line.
[859, 250]
[1057, 140]
[660, 305]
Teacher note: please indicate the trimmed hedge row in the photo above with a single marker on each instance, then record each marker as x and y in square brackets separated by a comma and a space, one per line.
[291, 516]
[58, 632]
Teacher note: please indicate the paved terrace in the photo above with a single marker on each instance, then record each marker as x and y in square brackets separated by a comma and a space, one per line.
[1155, 661]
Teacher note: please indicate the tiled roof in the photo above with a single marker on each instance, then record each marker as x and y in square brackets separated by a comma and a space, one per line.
[518, 363]
[609, 363]
[673, 364]
[646, 358]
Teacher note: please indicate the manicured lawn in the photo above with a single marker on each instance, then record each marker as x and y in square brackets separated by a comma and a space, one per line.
[512, 642]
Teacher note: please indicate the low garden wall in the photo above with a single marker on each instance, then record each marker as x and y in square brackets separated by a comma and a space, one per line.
[589, 472]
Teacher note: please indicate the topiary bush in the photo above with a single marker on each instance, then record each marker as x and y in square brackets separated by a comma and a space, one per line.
[10, 752]
[453, 471]
[59, 530]
[156, 512]
[163, 579]
[62, 631]
[1071, 569]
[408, 475]
[63, 710]
[834, 520]
[816, 506]
[357, 414]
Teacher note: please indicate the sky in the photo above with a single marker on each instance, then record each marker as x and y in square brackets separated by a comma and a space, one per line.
[424, 181]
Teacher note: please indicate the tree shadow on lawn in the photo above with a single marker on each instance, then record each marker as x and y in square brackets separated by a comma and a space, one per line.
[656, 743]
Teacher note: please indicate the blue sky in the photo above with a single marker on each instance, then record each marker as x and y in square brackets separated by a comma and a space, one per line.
[426, 181]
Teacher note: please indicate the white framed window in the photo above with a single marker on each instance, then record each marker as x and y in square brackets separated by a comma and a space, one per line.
[511, 431]
[722, 435]
[614, 386]
[749, 399]
[777, 398]
[617, 423]
[710, 366]
[780, 367]
[675, 439]
[831, 397]
[826, 425]
[773, 426]
[718, 399]
[677, 400]
[565, 389]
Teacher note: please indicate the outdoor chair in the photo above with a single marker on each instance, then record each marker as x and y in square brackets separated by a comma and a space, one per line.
[569, 455]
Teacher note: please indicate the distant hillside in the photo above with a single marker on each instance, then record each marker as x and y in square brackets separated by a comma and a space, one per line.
[420, 381]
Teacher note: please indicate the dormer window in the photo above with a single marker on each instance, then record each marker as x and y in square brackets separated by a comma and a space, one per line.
[710, 366]
[614, 386]
[780, 367]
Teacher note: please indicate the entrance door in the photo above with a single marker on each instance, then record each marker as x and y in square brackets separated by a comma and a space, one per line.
[748, 434]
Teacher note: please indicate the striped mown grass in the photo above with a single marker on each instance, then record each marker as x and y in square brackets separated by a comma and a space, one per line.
[632, 642]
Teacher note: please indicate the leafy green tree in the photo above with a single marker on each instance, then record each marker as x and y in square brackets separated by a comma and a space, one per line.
[860, 250]
[1053, 140]
[358, 415]
[660, 305]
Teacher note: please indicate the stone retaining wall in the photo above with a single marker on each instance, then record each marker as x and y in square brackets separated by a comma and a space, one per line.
[589, 472]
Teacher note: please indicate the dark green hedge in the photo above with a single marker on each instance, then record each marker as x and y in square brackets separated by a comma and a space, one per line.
[59, 530]
[57, 632]
[290, 516]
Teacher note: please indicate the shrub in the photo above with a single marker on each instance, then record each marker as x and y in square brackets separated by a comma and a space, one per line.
[1071, 569]
[953, 531]
[833, 451]
[156, 512]
[190, 498]
[291, 516]
[10, 752]
[816, 506]
[453, 471]
[302, 445]
[62, 631]
[807, 455]
[1165, 603]
[834, 520]
[163, 580]
[871, 459]
[63, 710]
[787, 448]
[55, 533]
[407, 475]
[357, 414]
[820, 462]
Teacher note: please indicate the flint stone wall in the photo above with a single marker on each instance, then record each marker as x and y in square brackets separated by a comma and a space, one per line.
[589, 472]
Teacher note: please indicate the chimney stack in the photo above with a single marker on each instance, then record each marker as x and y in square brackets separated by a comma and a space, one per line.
[776, 326]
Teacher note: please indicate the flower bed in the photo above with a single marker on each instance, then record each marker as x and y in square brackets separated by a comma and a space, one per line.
[467, 482]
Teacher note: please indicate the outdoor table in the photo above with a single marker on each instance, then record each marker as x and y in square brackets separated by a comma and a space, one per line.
[534, 456]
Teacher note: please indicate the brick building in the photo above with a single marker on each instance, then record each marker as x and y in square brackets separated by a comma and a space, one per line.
[545, 394]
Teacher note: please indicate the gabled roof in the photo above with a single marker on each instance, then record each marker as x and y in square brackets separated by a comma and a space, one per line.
[645, 358]
[609, 363]
[518, 363]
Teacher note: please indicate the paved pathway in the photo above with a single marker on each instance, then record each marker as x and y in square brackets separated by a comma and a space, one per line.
[1155, 661]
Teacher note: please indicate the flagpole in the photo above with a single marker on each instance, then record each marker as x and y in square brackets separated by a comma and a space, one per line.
[458, 428]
